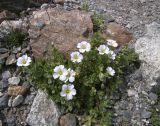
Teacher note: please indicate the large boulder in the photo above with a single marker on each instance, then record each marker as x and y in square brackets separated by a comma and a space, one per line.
[43, 111]
[135, 105]
[148, 48]
[60, 28]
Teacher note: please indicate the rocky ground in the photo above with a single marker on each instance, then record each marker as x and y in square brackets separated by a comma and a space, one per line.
[21, 104]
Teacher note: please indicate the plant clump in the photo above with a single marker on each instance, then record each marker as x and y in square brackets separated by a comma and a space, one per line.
[98, 22]
[83, 83]
[15, 38]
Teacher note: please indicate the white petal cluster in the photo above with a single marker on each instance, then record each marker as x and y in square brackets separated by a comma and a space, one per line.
[112, 55]
[24, 61]
[84, 46]
[60, 72]
[63, 74]
[68, 91]
[113, 43]
[76, 57]
[70, 76]
[110, 71]
[103, 49]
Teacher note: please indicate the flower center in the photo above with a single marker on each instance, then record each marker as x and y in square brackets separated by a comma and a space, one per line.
[103, 50]
[76, 57]
[60, 72]
[67, 91]
[24, 61]
[83, 46]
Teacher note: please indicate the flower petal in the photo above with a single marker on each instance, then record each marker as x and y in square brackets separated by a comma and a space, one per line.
[70, 86]
[71, 79]
[69, 96]
[64, 87]
[62, 93]
[73, 92]
[55, 75]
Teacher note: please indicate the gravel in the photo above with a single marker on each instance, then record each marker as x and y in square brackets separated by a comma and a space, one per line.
[133, 14]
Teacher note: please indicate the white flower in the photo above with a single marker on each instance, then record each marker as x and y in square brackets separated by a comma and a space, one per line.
[103, 49]
[70, 76]
[24, 61]
[112, 43]
[60, 72]
[76, 57]
[111, 71]
[84, 47]
[68, 91]
[112, 55]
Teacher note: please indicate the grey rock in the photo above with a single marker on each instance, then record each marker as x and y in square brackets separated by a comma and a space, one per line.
[11, 121]
[3, 84]
[3, 50]
[29, 99]
[44, 6]
[1, 94]
[26, 85]
[153, 96]
[4, 101]
[16, 50]
[3, 56]
[1, 123]
[145, 114]
[17, 101]
[127, 115]
[43, 111]
[14, 80]
[10, 102]
[6, 75]
[142, 1]
[157, 108]
[131, 92]
[68, 120]
[11, 59]
[4, 29]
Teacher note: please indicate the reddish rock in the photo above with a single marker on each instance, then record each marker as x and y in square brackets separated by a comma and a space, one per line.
[118, 33]
[68, 120]
[16, 90]
[60, 28]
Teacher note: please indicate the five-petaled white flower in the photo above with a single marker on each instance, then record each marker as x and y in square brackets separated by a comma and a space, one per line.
[84, 46]
[24, 61]
[103, 49]
[76, 57]
[111, 42]
[68, 91]
[60, 72]
[70, 76]
[112, 55]
[111, 71]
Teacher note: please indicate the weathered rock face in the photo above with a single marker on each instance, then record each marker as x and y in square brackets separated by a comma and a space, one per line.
[140, 97]
[148, 48]
[118, 33]
[43, 112]
[63, 29]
